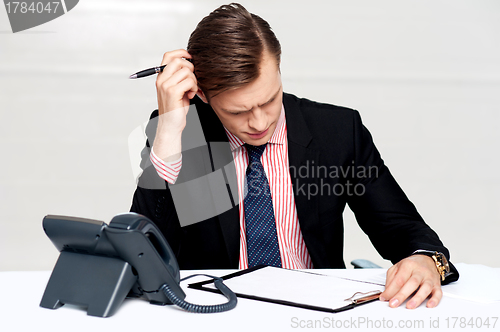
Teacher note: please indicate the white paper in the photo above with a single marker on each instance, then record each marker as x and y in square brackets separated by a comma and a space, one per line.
[299, 287]
[477, 283]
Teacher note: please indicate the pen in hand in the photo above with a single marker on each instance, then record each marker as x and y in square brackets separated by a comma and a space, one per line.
[150, 71]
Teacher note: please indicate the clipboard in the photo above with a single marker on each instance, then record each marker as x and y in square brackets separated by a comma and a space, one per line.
[355, 299]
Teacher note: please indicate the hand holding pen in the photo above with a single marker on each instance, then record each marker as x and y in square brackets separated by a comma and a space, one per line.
[176, 84]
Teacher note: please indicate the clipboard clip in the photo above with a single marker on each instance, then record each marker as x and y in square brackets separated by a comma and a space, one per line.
[359, 297]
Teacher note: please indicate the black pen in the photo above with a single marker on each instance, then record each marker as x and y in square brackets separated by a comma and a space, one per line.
[151, 71]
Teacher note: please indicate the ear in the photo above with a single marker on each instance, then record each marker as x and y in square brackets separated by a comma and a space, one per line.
[202, 96]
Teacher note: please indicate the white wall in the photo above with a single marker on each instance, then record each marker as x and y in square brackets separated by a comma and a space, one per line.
[425, 76]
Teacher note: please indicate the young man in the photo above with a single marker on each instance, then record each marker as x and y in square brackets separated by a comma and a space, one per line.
[281, 216]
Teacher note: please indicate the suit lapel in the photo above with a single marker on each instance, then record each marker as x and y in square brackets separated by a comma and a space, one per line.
[219, 150]
[302, 156]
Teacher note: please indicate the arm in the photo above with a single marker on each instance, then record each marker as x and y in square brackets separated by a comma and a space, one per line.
[394, 226]
[176, 85]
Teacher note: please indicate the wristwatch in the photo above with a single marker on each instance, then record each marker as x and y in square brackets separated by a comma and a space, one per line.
[442, 265]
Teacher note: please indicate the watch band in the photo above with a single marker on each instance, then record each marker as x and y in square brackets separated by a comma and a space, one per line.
[440, 260]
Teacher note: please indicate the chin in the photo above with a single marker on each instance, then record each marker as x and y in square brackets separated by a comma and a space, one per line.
[257, 142]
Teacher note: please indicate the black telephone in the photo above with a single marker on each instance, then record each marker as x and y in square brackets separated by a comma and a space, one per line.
[100, 265]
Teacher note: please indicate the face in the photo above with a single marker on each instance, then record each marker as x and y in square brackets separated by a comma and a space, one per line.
[251, 112]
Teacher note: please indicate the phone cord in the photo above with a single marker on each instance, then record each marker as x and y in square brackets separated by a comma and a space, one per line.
[198, 308]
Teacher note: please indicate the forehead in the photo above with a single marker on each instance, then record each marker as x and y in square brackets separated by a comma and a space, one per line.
[252, 94]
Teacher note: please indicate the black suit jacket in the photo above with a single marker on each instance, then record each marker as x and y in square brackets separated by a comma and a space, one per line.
[330, 140]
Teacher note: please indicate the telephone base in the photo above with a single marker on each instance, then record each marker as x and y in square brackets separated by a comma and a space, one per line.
[98, 282]
[160, 303]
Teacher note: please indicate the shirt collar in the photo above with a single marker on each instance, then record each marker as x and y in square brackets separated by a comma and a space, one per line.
[278, 136]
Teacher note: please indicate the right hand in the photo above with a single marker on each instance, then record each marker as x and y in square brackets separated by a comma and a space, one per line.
[175, 86]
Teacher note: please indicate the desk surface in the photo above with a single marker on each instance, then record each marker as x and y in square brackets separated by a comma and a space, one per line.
[22, 292]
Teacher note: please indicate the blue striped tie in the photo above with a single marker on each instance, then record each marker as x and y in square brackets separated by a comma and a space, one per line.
[260, 224]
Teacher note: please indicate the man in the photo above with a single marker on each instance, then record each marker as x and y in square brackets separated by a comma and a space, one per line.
[282, 216]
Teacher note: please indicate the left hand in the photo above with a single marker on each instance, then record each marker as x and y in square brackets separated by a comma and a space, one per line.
[417, 272]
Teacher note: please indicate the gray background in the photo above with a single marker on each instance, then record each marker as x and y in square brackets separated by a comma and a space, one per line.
[425, 76]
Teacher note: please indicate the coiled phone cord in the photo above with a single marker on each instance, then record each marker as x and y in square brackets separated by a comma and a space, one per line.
[198, 308]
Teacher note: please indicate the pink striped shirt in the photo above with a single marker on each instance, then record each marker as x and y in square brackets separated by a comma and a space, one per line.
[294, 254]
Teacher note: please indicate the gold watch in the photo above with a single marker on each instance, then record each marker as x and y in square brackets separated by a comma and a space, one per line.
[442, 265]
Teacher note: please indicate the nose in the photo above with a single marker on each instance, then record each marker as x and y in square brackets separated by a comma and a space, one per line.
[258, 120]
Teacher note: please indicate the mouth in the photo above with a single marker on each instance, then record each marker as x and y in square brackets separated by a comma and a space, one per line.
[258, 135]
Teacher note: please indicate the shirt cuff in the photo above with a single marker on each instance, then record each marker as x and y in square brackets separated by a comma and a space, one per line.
[168, 171]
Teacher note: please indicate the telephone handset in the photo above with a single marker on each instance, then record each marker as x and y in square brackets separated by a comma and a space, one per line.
[101, 264]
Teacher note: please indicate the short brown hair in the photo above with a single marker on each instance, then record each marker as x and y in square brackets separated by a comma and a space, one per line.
[227, 47]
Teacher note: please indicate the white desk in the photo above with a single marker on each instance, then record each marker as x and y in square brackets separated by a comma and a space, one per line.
[22, 291]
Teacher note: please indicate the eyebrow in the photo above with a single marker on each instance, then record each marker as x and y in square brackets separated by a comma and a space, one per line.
[267, 102]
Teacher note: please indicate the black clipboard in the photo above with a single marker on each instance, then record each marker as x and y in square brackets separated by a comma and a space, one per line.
[356, 301]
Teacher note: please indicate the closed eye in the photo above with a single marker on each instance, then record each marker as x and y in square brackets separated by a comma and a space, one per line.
[273, 98]
[238, 113]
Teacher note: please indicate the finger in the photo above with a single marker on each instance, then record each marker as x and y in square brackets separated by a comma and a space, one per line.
[410, 286]
[398, 280]
[189, 86]
[181, 75]
[391, 272]
[176, 64]
[163, 83]
[193, 91]
[173, 62]
[168, 56]
[423, 292]
[179, 91]
[436, 297]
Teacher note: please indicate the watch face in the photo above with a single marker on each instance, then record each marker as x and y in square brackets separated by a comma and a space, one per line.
[444, 261]
[442, 264]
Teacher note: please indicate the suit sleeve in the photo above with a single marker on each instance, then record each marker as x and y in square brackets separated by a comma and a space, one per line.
[383, 211]
[152, 196]
[200, 245]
